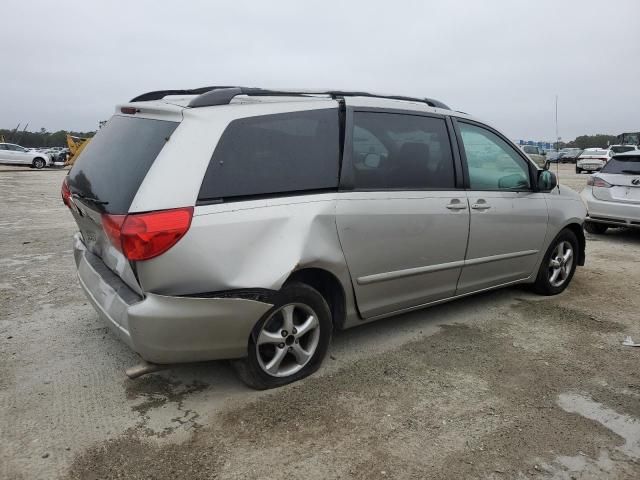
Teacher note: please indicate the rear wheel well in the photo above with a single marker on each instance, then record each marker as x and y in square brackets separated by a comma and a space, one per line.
[329, 287]
[579, 233]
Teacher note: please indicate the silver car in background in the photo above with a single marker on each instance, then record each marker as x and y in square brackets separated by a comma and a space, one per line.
[612, 195]
[247, 224]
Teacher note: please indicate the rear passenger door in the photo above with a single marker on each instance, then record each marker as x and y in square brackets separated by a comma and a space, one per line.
[508, 217]
[402, 220]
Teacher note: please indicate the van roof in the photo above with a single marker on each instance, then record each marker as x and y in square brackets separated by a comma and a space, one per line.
[224, 95]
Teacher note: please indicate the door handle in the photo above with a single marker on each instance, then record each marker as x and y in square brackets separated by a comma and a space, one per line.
[457, 206]
[480, 206]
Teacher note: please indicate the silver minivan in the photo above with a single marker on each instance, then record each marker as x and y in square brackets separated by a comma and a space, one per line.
[247, 224]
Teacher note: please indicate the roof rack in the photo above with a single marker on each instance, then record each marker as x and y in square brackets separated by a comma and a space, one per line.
[210, 96]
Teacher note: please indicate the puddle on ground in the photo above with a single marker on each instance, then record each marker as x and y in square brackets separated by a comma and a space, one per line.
[627, 427]
[567, 467]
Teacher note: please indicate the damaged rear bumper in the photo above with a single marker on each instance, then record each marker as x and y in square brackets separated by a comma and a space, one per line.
[167, 329]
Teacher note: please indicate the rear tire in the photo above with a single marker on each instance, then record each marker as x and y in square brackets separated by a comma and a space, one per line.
[277, 353]
[595, 228]
[558, 265]
[38, 163]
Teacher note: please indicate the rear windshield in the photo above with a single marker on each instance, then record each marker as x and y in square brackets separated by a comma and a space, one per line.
[594, 153]
[113, 165]
[275, 154]
[622, 149]
[629, 165]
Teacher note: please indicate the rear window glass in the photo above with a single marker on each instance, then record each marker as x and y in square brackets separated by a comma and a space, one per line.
[625, 165]
[112, 166]
[273, 154]
[622, 149]
[594, 153]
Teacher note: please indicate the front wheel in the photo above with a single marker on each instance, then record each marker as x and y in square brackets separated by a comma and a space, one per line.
[578, 170]
[39, 163]
[290, 340]
[595, 228]
[558, 265]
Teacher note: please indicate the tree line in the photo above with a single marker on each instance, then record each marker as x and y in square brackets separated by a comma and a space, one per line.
[599, 140]
[42, 138]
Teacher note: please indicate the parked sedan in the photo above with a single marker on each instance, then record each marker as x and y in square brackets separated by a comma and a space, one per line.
[613, 195]
[592, 160]
[17, 155]
[569, 155]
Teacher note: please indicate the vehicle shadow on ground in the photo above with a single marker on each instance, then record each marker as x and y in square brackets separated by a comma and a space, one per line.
[218, 378]
[616, 235]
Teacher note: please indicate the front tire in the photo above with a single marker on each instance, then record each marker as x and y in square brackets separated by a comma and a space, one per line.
[38, 163]
[578, 170]
[290, 341]
[558, 265]
[595, 228]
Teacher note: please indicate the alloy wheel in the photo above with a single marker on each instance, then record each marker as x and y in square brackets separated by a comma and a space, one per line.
[560, 263]
[288, 339]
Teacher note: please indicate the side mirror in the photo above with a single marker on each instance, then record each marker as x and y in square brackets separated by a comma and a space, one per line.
[547, 180]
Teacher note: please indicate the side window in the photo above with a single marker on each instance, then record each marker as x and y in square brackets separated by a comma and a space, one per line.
[3, 147]
[397, 151]
[493, 163]
[272, 154]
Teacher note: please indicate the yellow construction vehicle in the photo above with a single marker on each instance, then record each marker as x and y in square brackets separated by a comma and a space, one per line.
[76, 145]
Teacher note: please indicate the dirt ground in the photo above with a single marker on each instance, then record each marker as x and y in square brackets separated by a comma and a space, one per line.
[503, 385]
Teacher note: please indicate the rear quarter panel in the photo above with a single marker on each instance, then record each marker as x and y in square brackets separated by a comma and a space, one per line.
[251, 244]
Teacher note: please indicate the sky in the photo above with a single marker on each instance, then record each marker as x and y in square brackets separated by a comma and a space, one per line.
[66, 64]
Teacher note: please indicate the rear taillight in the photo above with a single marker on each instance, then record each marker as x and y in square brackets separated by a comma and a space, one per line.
[142, 236]
[598, 182]
[66, 193]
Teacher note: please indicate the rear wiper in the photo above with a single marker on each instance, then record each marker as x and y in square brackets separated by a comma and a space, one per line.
[91, 199]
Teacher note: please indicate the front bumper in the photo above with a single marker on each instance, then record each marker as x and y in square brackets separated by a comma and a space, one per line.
[167, 329]
[611, 213]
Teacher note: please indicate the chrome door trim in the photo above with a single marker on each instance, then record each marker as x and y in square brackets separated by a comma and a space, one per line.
[502, 256]
[383, 277]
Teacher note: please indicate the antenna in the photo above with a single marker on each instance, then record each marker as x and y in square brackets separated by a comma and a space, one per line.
[557, 148]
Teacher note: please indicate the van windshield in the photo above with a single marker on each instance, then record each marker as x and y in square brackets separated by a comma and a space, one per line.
[113, 165]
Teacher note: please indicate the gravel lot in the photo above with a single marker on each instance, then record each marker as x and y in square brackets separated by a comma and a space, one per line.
[501, 385]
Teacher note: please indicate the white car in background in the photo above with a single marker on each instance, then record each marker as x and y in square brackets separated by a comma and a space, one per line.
[16, 155]
[592, 159]
[613, 195]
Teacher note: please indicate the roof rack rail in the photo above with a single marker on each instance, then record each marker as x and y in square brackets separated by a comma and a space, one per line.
[160, 94]
[210, 96]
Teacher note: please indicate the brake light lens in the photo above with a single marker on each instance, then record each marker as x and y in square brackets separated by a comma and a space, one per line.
[129, 110]
[65, 191]
[143, 236]
[598, 182]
